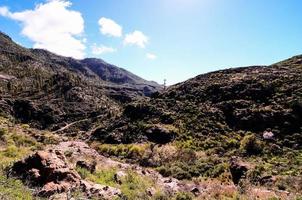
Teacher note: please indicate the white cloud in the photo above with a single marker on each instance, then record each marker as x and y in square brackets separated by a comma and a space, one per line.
[98, 50]
[151, 56]
[110, 27]
[52, 26]
[136, 38]
[4, 11]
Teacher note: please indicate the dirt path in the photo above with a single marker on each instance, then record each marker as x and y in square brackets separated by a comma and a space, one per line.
[69, 125]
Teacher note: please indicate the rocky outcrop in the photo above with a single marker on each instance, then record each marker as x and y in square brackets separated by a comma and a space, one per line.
[57, 90]
[50, 171]
[255, 99]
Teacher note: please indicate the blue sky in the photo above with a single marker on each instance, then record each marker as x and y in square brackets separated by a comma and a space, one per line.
[160, 39]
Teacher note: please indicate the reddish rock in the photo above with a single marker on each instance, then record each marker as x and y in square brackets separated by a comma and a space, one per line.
[89, 166]
[48, 170]
[101, 191]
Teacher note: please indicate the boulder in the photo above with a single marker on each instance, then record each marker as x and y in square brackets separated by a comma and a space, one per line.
[48, 170]
[100, 191]
[268, 135]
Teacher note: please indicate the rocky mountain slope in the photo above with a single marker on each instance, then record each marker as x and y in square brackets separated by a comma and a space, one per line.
[86, 129]
[254, 99]
[51, 91]
[242, 125]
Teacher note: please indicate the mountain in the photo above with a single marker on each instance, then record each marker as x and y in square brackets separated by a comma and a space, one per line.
[51, 91]
[254, 99]
[242, 125]
[87, 129]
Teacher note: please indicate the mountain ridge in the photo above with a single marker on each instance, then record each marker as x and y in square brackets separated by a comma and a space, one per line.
[93, 64]
[46, 89]
[233, 133]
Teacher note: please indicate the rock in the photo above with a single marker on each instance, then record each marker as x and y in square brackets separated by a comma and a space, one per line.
[49, 189]
[238, 169]
[151, 191]
[268, 135]
[195, 191]
[61, 196]
[171, 185]
[48, 170]
[119, 176]
[89, 166]
[101, 191]
[34, 174]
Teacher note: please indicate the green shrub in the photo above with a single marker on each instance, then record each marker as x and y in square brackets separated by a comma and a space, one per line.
[23, 140]
[218, 170]
[11, 151]
[187, 170]
[13, 189]
[131, 151]
[250, 145]
[25, 126]
[84, 173]
[255, 174]
[180, 173]
[232, 143]
[3, 133]
[104, 176]
[163, 170]
[161, 196]
[135, 152]
[184, 196]
[134, 186]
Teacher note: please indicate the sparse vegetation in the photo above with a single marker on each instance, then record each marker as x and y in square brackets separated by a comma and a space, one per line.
[132, 185]
[190, 131]
[10, 188]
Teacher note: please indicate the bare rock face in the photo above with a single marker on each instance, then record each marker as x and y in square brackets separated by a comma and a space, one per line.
[48, 170]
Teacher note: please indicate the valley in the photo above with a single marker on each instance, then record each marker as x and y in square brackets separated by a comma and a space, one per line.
[86, 129]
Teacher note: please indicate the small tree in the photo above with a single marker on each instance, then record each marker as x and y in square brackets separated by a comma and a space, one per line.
[250, 145]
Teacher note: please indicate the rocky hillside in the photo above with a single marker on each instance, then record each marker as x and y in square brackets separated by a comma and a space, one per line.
[242, 125]
[254, 99]
[56, 93]
[85, 129]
